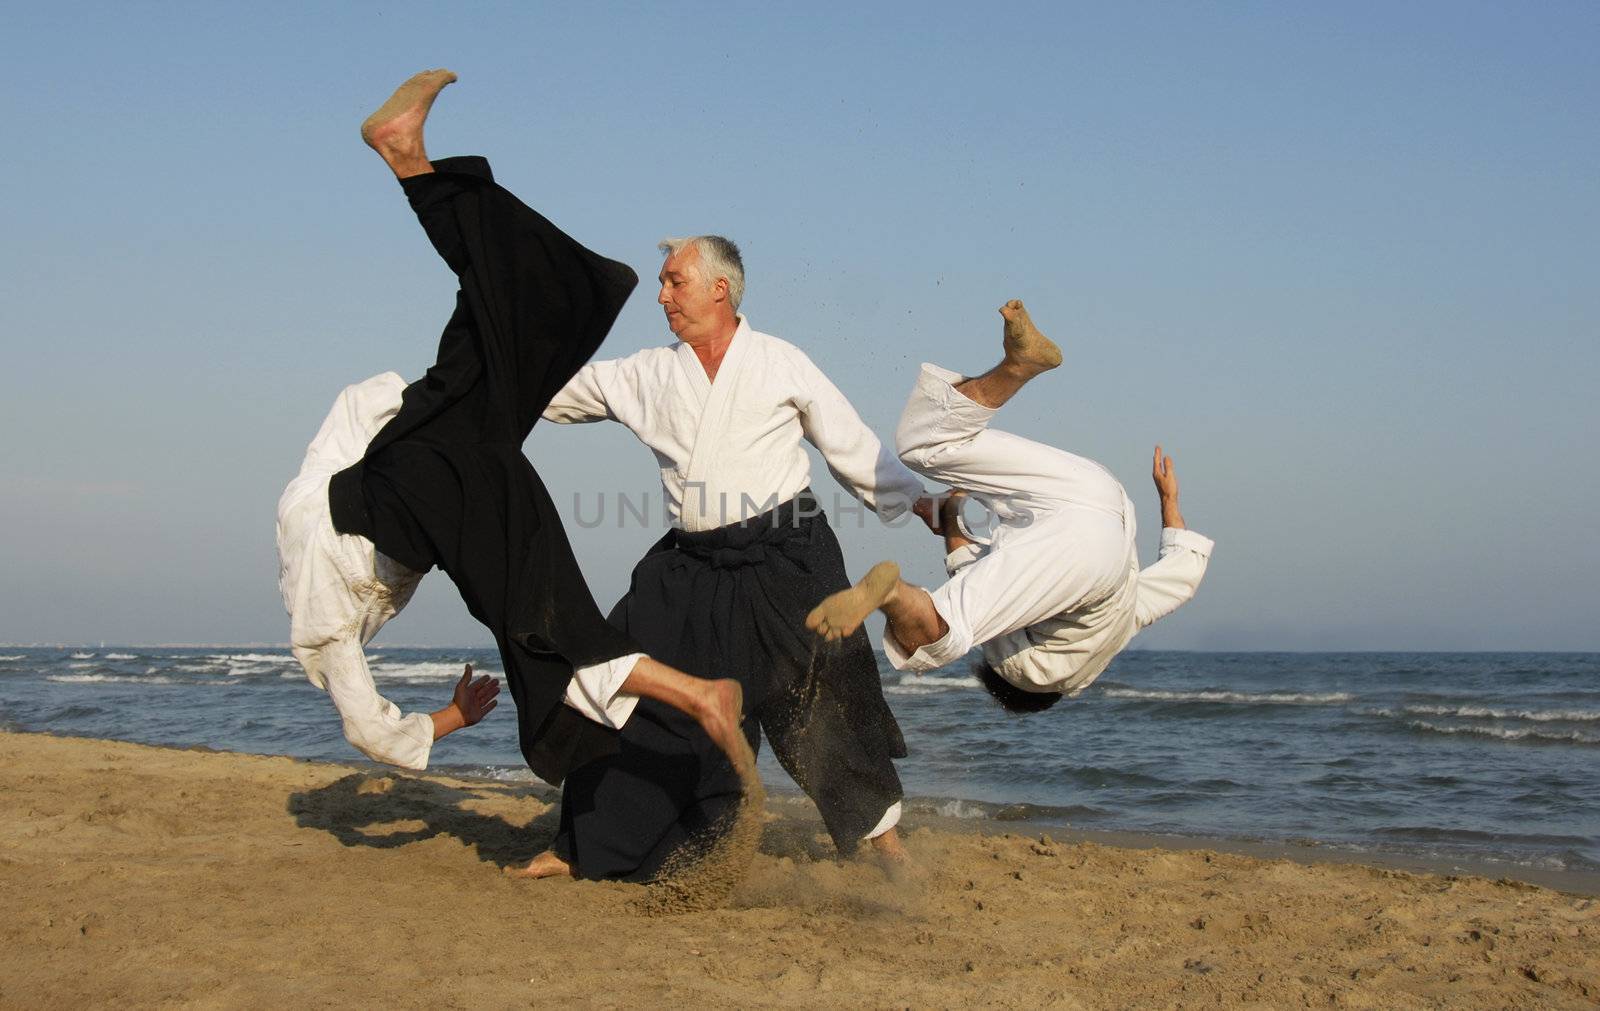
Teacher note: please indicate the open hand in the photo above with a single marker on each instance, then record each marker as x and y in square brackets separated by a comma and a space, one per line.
[1165, 477]
[475, 697]
[1167, 487]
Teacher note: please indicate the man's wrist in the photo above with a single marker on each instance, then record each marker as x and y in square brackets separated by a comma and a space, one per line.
[447, 720]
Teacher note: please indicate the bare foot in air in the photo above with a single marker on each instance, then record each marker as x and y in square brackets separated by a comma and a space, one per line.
[545, 865]
[1026, 347]
[395, 130]
[843, 612]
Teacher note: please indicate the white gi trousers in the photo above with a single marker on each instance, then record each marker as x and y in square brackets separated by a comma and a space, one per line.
[1062, 538]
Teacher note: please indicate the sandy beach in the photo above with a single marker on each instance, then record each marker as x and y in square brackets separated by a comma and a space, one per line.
[151, 876]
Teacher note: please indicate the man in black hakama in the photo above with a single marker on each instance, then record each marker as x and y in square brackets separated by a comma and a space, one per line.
[731, 602]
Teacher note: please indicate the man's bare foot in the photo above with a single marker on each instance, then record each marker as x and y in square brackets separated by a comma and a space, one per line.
[843, 612]
[545, 865]
[889, 847]
[1027, 348]
[395, 130]
[720, 713]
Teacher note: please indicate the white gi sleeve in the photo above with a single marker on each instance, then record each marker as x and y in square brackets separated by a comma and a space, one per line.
[589, 395]
[855, 456]
[596, 691]
[374, 725]
[1173, 579]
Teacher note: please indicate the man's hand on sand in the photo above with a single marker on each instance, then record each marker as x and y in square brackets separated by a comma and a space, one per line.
[475, 697]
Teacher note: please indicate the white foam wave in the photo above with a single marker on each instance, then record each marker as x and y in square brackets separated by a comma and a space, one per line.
[960, 809]
[83, 656]
[419, 672]
[1506, 734]
[17, 656]
[927, 685]
[1491, 713]
[1246, 698]
[85, 679]
[253, 657]
[120, 656]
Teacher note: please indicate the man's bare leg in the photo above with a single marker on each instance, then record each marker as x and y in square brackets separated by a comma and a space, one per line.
[395, 130]
[913, 620]
[1028, 353]
[889, 847]
[718, 706]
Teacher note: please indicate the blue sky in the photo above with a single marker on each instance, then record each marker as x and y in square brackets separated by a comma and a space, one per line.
[1339, 259]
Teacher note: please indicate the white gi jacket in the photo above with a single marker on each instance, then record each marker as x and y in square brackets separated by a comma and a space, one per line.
[1066, 652]
[340, 590]
[730, 450]
[1057, 591]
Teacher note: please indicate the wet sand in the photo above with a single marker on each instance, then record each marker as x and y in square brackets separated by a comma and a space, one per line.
[153, 876]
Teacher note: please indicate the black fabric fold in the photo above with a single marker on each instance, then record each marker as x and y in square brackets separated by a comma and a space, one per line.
[732, 602]
[445, 482]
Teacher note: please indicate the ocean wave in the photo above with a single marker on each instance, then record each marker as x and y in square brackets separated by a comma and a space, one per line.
[17, 656]
[1507, 734]
[1492, 713]
[1244, 698]
[120, 656]
[955, 808]
[82, 656]
[1441, 833]
[96, 679]
[253, 657]
[420, 672]
[927, 685]
[968, 810]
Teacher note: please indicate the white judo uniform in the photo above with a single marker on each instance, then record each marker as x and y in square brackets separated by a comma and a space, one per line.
[731, 450]
[1055, 591]
[340, 590]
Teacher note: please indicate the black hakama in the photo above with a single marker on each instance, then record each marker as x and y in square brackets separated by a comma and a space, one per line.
[445, 482]
[732, 602]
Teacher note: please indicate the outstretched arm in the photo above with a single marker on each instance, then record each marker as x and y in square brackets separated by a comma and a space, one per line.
[855, 456]
[1174, 578]
[588, 396]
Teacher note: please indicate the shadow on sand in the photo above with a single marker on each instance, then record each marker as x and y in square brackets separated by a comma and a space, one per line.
[354, 808]
[381, 809]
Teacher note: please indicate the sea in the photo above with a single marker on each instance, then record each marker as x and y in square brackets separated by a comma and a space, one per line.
[1491, 758]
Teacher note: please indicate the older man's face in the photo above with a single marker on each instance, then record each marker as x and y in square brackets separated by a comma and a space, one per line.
[691, 305]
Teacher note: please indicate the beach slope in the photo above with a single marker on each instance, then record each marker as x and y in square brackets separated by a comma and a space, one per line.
[150, 876]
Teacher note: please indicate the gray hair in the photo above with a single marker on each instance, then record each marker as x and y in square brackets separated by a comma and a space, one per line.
[719, 257]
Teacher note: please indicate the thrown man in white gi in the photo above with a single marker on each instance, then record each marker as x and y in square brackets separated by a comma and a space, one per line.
[1056, 591]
